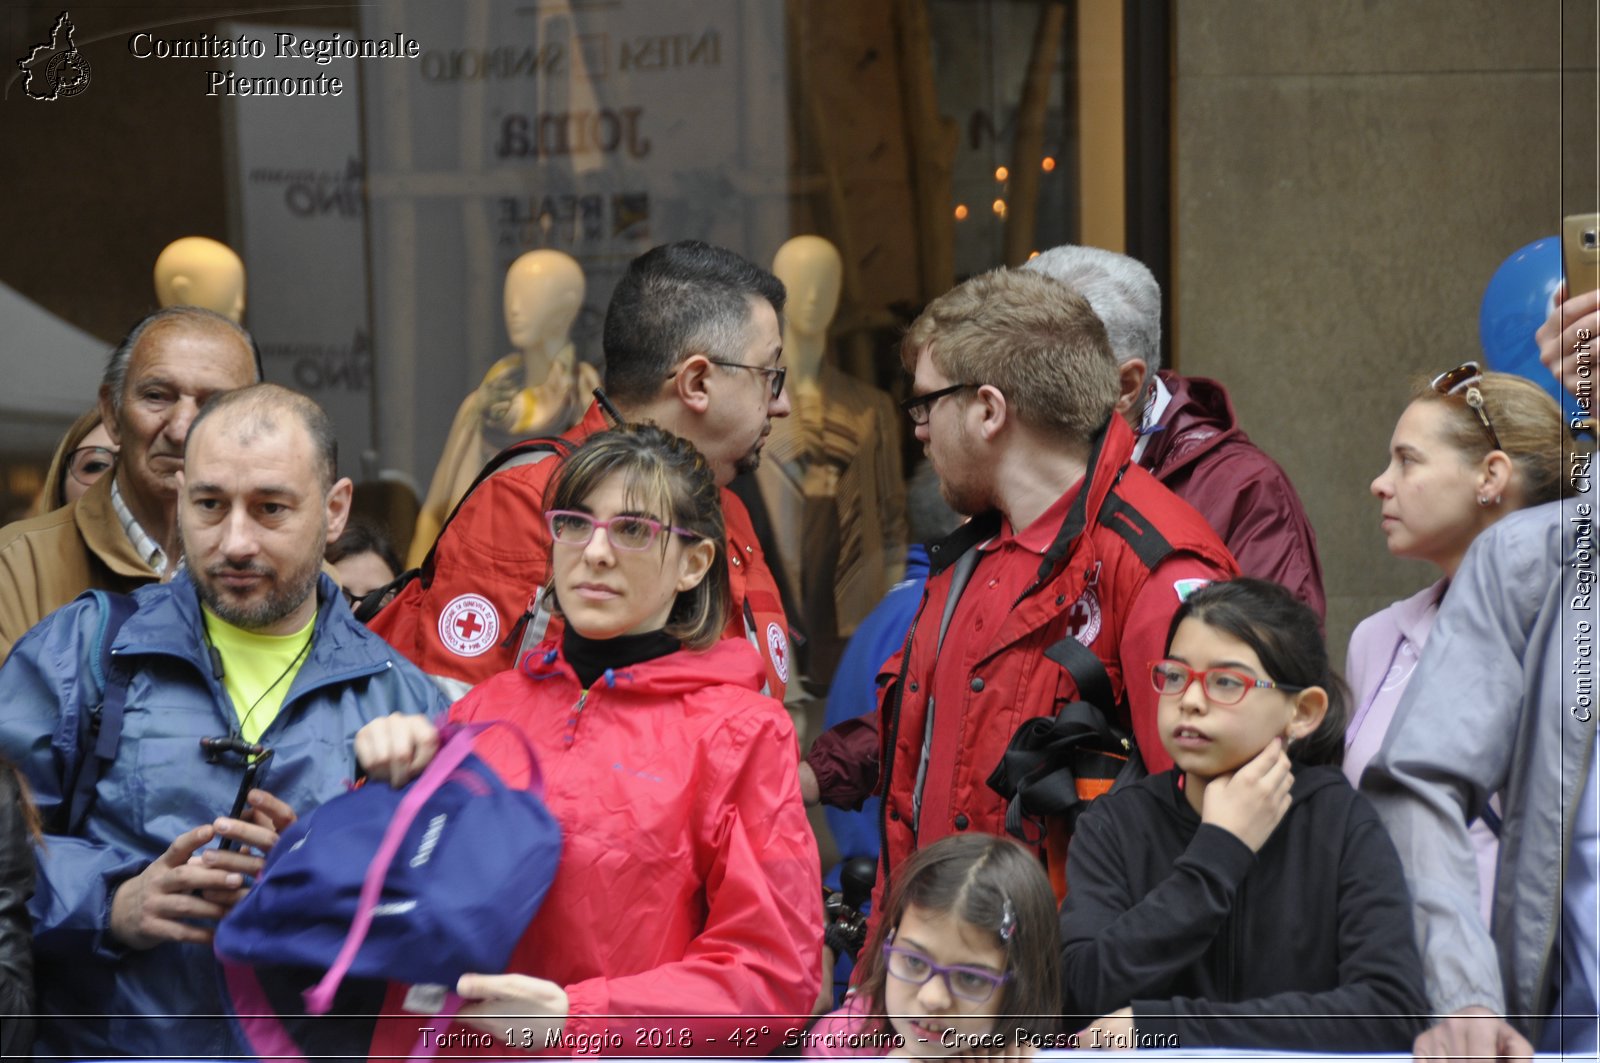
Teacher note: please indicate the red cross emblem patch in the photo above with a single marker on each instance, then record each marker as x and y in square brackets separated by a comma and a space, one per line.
[778, 647]
[1083, 618]
[469, 625]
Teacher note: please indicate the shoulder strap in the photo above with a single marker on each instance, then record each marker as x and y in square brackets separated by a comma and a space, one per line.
[523, 452]
[100, 731]
[515, 454]
[1087, 671]
[1135, 529]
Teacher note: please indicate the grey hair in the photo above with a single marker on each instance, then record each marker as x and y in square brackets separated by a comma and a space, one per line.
[1121, 290]
[115, 378]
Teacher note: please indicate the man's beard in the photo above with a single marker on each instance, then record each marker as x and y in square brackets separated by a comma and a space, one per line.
[283, 594]
[749, 463]
[752, 460]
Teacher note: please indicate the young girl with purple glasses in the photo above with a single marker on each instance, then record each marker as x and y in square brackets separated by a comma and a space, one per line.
[964, 963]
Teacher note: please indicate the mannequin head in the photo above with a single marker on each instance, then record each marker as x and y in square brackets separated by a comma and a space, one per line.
[812, 271]
[544, 292]
[198, 271]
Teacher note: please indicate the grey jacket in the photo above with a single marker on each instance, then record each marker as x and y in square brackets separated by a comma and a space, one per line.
[1500, 702]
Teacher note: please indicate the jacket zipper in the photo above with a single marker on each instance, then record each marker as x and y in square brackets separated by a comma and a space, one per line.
[574, 714]
[1539, 1003]
[886, 773]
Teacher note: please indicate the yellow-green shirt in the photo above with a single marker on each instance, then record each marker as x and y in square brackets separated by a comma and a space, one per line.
[257, 670]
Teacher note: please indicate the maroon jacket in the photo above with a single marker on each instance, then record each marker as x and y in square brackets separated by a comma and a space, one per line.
[1201, 455]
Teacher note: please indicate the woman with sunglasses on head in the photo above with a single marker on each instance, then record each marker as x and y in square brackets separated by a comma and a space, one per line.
[688, 894]
[1249, 897]
[1469, 448]
[84, 454]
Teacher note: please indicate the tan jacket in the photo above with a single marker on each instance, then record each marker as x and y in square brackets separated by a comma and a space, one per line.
[47, 561]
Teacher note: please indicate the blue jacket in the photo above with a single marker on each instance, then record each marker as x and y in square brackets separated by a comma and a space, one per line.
[855, 691]
[138, 1002]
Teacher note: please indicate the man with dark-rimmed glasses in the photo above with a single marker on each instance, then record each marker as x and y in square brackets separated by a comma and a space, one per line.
[693, 343]
[1072, 565]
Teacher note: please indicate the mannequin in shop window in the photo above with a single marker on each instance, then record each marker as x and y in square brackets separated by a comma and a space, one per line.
[831, 478]
[539, 389]
[199, 271]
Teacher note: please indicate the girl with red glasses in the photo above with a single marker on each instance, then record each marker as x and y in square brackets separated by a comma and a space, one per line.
[1248, 898]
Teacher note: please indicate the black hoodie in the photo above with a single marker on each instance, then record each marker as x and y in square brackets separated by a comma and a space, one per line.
[1307, 945]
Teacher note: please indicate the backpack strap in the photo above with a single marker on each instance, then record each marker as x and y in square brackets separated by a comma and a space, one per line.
[100, 731]
[522, 452]
[263, 1028]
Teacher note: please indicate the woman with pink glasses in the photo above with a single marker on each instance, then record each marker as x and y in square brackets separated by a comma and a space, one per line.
[688, 899]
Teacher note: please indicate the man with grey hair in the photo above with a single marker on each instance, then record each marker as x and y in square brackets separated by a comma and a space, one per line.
[1189, 437]
[222, 704]
[122, 533]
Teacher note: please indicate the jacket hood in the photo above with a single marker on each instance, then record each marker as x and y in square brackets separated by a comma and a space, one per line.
[730, 661]
[1199, 419]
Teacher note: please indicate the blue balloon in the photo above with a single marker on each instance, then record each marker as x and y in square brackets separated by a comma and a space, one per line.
[1515, 304]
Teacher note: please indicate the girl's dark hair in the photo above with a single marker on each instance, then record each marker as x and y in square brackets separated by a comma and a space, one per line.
[973, 876]
[364, 537]
[1285, 635]
[667, 477]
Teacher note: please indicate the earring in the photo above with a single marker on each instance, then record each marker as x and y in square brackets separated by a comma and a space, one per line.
[1483, 500]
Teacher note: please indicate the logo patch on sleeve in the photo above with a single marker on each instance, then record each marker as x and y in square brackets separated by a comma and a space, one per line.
[778, 647]
[1186, 587]
[469, 625]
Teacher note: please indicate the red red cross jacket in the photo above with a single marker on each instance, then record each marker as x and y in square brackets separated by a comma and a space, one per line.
[1139, 550]
[1128, 519]
[482, 608]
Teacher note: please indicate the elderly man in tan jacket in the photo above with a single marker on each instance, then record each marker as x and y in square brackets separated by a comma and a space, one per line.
[122, 533]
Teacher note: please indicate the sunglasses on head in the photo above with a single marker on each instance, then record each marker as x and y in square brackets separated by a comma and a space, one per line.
[1463, 380]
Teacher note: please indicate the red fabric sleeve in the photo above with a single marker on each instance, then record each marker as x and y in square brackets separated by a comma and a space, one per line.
[489, 561]
[1144, 639]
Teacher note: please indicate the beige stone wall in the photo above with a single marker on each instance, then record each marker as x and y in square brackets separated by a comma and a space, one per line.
[1348, 174]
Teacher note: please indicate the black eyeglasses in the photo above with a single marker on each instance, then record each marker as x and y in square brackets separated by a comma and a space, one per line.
[774, 374]
[88, 464]
[358, 600]
[918, 407]
[1465, 378]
